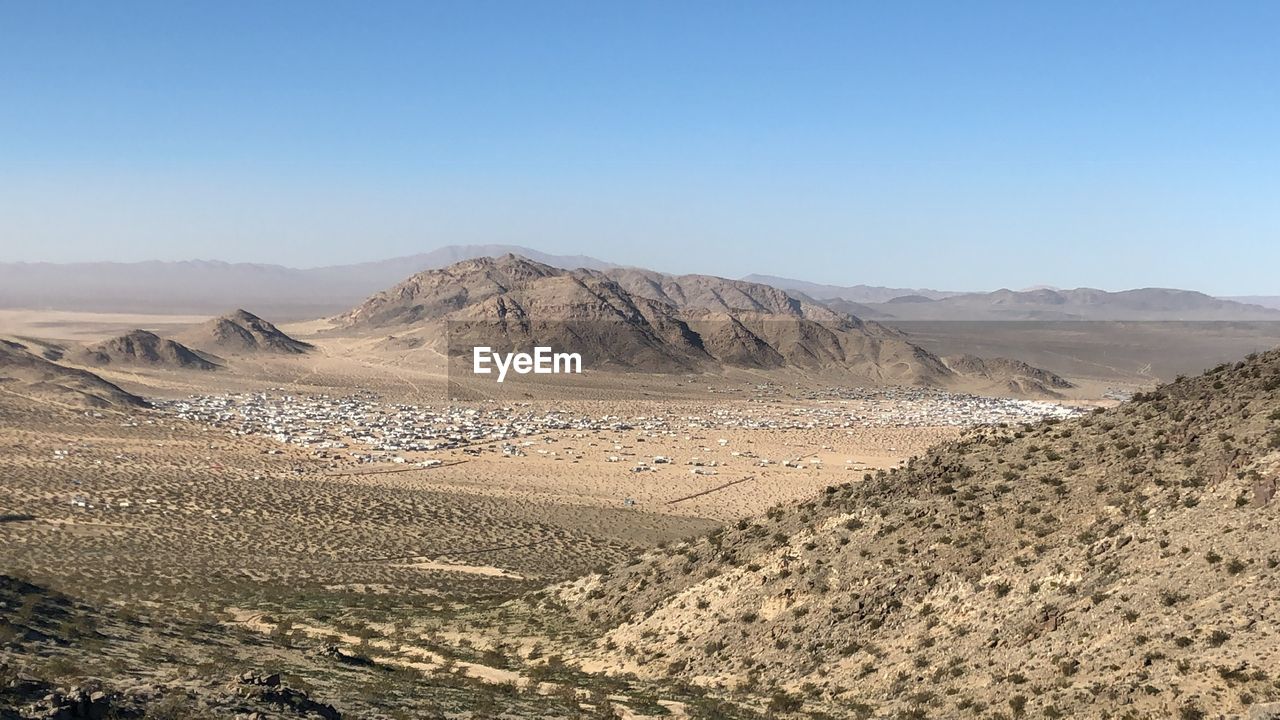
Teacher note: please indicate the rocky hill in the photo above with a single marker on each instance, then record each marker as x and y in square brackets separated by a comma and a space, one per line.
[29, 375]
[638, 319]
[140, 347]
[1019, 376]
[241, 332]
[1119, 565]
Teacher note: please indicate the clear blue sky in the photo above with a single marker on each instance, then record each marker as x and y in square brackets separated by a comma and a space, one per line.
[938, 144]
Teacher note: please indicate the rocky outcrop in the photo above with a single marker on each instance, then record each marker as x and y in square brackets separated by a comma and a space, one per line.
[243, 333]
[140, 347]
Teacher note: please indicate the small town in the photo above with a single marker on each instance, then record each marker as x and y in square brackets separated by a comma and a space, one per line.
[364, 428]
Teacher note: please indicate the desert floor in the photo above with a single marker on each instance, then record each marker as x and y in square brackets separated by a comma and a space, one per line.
[413, 564]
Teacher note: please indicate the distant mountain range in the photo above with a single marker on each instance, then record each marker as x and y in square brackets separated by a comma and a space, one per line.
[850, 293]
[1268, 301]
[210, 287]
[882, 303]
[1153, 304]
[286, 293]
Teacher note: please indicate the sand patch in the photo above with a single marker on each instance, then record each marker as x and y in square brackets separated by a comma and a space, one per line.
[485, 570]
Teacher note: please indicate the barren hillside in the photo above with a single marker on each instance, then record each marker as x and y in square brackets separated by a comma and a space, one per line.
[140, 347]
[1019, 376]
[242, 332]
[1123, 562]
[31, 376]
[643, 320]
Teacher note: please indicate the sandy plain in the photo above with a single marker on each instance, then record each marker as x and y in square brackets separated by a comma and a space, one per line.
[148, 504]
[146, 509]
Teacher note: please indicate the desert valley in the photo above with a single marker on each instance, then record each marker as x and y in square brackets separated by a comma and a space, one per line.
[752, 503]
[699, 361]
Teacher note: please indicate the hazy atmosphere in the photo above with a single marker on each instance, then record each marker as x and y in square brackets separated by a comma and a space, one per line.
[968, 147]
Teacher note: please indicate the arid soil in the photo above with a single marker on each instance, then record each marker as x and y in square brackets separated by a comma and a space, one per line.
[701, 545]
[255, 554]
[1122, 562]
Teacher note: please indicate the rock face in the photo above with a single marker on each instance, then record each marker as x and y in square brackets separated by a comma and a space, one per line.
[251, 696]
[271, 691]
[30, 375]
[641, 320]
[1122, 561]
[240, 333]
[77, 703]
[140, 347]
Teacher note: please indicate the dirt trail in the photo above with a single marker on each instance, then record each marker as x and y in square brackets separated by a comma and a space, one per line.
[708, 491]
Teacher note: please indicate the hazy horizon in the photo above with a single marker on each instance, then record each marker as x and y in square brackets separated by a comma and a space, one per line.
[915, 145]
[956, 288]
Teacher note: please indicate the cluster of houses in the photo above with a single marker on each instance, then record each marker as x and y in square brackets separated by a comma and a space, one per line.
[362, 427]
[930, 407]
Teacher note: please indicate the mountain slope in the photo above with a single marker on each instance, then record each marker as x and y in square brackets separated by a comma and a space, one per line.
[140, 347]
[1018, 376]
[1267, 301]
[866, 312]
[639, 319]
[707, 293]
[32, 376]
[1121, 562]
[242, 332]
